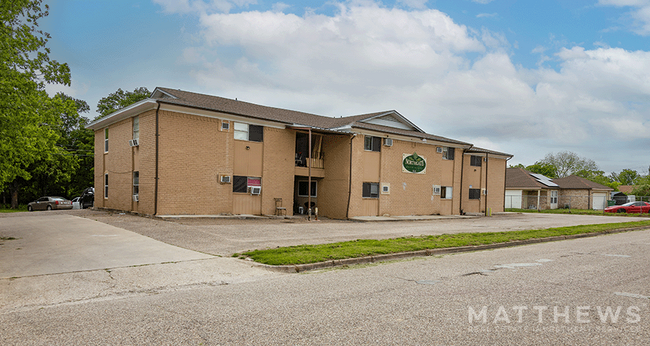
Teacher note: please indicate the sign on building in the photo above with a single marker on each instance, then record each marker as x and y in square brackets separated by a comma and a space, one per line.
[413, 163]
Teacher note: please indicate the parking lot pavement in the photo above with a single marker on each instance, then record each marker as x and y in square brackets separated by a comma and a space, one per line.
[55, 242]
[219, 236]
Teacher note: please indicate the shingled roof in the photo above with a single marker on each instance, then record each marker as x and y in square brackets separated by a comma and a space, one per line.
[576, 182]
[236, 107]
[519, 178]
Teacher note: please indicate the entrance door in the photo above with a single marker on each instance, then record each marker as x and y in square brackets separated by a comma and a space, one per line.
[554, 199]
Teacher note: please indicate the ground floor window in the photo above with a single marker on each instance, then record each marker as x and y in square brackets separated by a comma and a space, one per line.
[106, 185]
[446, 192]
[302, 188]
[371, 190]
[243, 183]
[136, 183]
[474, 194]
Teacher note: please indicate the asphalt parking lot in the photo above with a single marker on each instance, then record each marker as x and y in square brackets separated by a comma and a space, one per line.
[223, 237]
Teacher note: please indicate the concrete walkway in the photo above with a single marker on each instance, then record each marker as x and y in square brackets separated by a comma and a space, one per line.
[54, 242]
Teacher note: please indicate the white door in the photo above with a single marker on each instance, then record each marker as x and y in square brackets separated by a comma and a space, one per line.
[513, 199]
[599, 201]
[553, 199]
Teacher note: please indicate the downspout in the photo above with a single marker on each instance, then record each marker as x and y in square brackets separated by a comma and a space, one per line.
[155, 193]
[347, 211]
[505, 176]
[462, 172]
[309, 211]
[487, 162]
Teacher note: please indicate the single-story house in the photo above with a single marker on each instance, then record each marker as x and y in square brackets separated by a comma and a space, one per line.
[526, 190]
[185, 153]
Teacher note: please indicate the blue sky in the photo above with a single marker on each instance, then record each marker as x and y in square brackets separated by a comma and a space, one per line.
[524, 77]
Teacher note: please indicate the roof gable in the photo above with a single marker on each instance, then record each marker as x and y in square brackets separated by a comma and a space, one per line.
[391, 119]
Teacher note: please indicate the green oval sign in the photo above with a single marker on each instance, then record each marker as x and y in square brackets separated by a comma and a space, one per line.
[414, 163]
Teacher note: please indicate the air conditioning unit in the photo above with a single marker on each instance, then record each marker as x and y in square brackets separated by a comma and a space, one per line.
[485, 159]
[225, 126]
[484, 191]
[388, 142]
[224, 179]
[136, 198]
[436, 189]
[133, 142]
[256, 190]
[439, 150]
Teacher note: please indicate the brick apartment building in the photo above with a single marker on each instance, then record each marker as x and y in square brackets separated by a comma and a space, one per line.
[183, 153]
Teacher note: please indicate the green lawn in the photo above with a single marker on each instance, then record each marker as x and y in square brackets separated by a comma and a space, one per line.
[303, 254]
[9, 210]
[573, 211]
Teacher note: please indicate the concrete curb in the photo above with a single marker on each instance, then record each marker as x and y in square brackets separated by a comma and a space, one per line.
[297, 268]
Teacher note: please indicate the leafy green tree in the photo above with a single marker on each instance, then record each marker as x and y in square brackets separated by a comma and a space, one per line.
[545, 169]
[568, 163]
[626, 177]
[598, 177]
[642, 190]
[120, 99]
[28, 116]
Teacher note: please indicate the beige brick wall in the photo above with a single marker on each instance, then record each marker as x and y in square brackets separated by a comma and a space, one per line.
[278, 163]
[333, 189]
[577, 199]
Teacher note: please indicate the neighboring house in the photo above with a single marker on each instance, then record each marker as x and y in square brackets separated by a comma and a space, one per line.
[525, 190]
[580, 193]
[180, 152]
[626, 189]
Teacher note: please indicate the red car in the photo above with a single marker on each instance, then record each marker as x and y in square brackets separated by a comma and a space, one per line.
[631, 207]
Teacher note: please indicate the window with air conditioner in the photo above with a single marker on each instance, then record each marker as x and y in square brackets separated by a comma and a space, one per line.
[242, 184]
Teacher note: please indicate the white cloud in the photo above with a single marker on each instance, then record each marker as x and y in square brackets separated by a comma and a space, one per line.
[639, 15]
[418, 4]
[449, 79]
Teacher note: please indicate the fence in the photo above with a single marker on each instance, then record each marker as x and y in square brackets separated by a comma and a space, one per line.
[597, 202]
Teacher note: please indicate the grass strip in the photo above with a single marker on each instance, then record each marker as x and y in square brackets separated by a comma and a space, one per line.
[304, 254]
[574, 211]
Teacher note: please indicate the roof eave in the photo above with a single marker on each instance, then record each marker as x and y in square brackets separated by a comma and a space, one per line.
[124, 113]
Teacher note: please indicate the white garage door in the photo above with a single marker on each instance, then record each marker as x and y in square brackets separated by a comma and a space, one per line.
[599, 201]
[513, 199]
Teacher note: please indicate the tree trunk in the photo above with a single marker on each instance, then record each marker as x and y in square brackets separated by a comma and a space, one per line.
[13, 189]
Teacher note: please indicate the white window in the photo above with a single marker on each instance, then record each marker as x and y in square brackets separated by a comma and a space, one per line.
[446, 192]
[136, 128]
[106, 140]
[241, 131]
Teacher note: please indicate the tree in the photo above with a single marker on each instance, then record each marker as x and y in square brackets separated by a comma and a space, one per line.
[568, 163]
[598, 177]
[120, 99]
[545, 169]
[626, 177]
[28, 116]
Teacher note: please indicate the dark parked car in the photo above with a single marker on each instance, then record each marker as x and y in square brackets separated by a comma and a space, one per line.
[87, 199]
[49, 203]
[632, 207]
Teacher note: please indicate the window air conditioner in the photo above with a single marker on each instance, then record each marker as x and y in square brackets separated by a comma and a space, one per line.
[136, 198]
[224, 179]
[388, 142]
[484, 191]
[256, 190]
[436, 189]
[439, 150]
[225, 126]
[133, 142]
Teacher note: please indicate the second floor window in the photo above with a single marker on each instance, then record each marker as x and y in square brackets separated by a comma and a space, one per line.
[106, 140]
[246, 132]
[475, 161]
[136, 128]
[372, 143]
